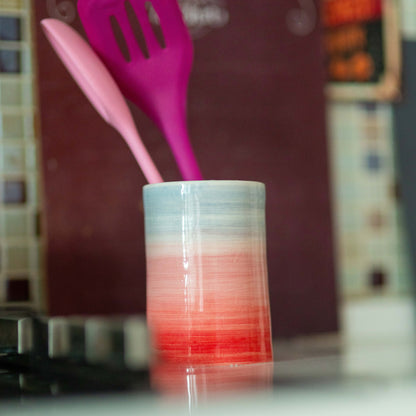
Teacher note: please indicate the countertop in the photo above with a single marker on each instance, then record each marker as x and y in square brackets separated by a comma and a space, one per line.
[369, 370]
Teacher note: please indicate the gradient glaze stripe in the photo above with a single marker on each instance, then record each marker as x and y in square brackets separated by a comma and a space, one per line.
[207, 289]
[217, 209]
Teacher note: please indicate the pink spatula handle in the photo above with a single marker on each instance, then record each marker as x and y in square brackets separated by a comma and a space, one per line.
[176, 133]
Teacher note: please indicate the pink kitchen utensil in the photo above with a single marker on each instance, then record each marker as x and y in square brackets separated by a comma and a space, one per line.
[98, 85]
[155, 79]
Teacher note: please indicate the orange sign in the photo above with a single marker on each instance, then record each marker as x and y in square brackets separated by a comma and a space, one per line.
[339, 12]
[363, 49]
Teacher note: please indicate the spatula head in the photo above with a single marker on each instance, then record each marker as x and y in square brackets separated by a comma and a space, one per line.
[88, 71]
[156, 83]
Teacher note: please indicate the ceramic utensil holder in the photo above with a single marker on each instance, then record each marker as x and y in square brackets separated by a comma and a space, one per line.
[207, 283]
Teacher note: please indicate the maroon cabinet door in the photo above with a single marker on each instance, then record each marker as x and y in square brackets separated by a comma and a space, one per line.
[256, 112]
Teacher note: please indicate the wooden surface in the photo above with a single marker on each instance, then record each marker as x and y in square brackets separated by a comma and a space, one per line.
[256, 112]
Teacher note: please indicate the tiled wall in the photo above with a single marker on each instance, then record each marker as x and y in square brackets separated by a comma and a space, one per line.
[20, 247]
[371, 249]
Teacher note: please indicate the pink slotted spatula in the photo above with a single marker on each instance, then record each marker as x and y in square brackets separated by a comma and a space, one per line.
[156, 83]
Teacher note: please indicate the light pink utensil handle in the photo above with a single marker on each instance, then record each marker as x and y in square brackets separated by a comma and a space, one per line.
[140, 153]
[99, 86]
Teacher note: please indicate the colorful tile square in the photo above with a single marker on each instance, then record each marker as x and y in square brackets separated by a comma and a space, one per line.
[18, 290]
[10, 28]
[14, 192]
[10, 61]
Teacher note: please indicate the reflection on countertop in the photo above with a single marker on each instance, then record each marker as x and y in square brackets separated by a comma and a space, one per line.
[371, 366]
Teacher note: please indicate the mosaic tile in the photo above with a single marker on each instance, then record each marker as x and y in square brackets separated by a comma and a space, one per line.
[16, 224]
[376, 220]
[350, 282]
[10, 93]
[10, 61]
[369, 107]
[12, 4]
[18, 290]
[13, 158]
[14, 192]
[11, 126]
[372, 131]
[378, 278]
[10, 28]
[17, 258]
[373, 162]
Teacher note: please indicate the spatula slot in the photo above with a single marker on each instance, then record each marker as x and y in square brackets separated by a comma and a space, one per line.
[155, 22]
[118, 35]
[136, 28]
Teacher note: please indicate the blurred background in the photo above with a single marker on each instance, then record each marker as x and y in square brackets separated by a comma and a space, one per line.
[314, 98]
